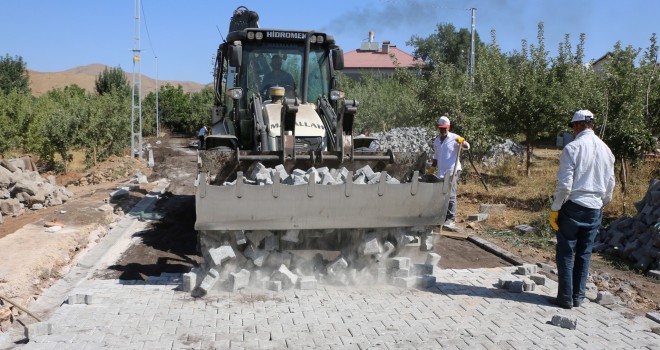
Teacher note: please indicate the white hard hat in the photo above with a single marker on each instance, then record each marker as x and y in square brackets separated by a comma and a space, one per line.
[443, 122]
[583, 115]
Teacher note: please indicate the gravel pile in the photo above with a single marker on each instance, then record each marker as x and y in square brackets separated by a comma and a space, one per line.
[637, 238]
[500, 152]
[405, 140]
[22, 187]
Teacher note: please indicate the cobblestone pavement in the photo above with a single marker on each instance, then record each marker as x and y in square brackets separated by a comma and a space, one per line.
[464, 310]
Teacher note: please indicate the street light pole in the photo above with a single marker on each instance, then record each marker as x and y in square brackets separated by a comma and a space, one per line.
[474, 12]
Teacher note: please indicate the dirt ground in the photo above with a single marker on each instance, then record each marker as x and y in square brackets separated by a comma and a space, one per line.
[169, 245]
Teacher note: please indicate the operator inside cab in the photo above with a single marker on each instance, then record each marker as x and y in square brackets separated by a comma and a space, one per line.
[277, 76]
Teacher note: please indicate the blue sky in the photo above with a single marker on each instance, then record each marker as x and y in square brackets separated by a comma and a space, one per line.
[55, 35]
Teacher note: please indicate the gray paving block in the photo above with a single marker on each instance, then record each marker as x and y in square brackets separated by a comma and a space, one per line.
[516, 287]
[433, 259]
[307, 282]
[605, 298]
[221, 254]
[273, 285]
[399, 263]
[239, 280]
[527, 269]
[564, 321]
[538, 279]
[493, 209]
[477, 217]
[38, 329]
[404, 282]
[655, 316]
[401, 272]
[422, 269]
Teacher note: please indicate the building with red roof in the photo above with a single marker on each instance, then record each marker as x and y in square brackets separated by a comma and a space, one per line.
[377, 59]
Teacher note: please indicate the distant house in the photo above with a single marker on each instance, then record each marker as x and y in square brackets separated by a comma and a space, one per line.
[381, 60]
[598, 64]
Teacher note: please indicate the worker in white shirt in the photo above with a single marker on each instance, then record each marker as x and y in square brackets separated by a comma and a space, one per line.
[585, 186]
[445, 152]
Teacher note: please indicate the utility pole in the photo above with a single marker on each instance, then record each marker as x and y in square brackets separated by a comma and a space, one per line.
[157, 121]
[474, 12]
[137, 87]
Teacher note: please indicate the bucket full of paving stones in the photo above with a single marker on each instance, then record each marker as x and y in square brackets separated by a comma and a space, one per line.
[636, 238]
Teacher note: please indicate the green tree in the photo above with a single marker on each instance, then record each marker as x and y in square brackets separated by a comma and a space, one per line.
[386, 102]
[175, 109]
[108, 129]
[650, 70]
[626, 131]
[70, 116]
[14, 75]
[112, 79]
[15, 111]
[447, 45]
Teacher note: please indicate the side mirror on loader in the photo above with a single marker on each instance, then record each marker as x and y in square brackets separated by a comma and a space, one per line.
[235, 55]
[338, 59]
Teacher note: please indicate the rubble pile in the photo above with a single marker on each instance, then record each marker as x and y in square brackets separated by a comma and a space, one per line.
[421, 140]
[637, 238]
[261, 175]
[22, 187]
[405, 140]
[500, 152]
[265, 259]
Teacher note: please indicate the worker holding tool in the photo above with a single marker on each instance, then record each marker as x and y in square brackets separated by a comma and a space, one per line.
[585, 186]
[446, 151]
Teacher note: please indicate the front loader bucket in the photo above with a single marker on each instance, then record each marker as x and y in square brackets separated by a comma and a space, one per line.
[278, 206]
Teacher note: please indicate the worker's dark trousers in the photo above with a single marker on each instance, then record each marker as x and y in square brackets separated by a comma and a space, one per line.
[578, 227]
[201, 142]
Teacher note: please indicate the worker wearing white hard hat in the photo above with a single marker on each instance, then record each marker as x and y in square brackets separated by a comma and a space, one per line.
[585, 185]
[445, 153]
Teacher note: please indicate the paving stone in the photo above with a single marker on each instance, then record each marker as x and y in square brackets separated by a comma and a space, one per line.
[493, 209]
[399, 263]
[239, 280]
[516, 287]
[404, 282]
[38, 329]
[433, 259]
[605, 298]
[564, 321]
[422, 269]
[221, 254]
[477, 217]
[527, 269]
[538, 279]
[307, 282]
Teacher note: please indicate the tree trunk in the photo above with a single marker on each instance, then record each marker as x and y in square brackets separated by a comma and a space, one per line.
[623, 177]
[529, 157]
[94, 155]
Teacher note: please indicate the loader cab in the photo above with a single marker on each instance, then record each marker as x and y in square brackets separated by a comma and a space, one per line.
[254, 60]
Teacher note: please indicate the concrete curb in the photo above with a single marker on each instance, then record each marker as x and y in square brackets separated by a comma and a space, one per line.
[494, 249]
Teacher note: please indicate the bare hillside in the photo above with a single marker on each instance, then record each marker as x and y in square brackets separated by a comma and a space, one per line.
[85, 76]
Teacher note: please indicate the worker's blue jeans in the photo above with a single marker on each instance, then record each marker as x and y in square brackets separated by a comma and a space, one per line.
[451, 209]
[578, 227]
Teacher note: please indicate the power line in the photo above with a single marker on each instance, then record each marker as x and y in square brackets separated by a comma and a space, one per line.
[146, 27]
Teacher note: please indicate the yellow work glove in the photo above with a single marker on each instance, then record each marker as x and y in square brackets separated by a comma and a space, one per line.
[432, 171]
[460, 140]
[554, 215]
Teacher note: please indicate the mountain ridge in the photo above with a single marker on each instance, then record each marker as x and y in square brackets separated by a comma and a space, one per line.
[85, 77]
